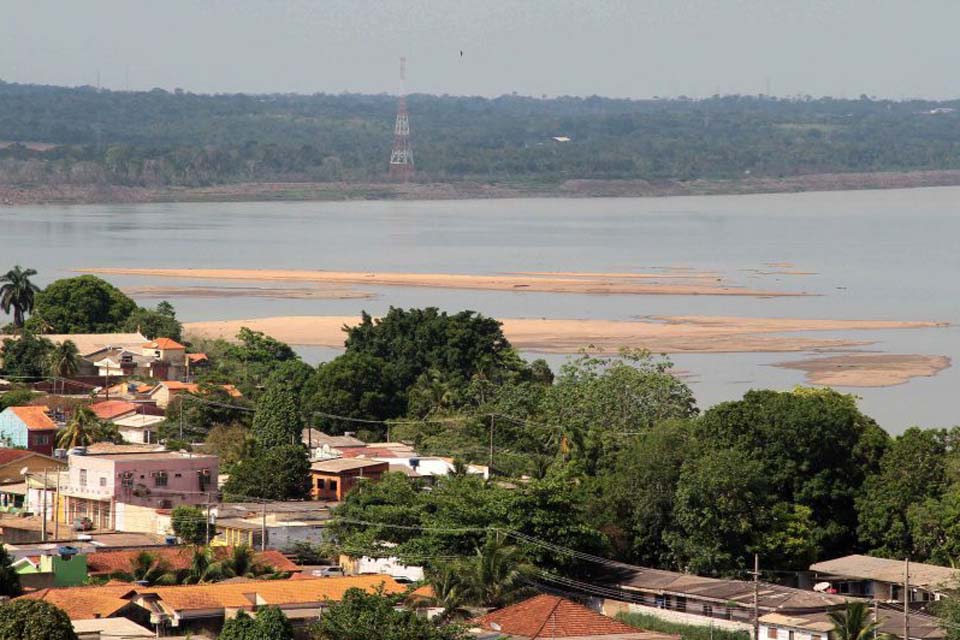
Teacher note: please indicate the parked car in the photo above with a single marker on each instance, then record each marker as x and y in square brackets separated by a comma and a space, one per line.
[83, 524]
[328, 572]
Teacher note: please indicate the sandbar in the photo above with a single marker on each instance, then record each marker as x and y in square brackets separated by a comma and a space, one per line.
[551, 284]
[332, 293]
[868, 370]
[661, 334]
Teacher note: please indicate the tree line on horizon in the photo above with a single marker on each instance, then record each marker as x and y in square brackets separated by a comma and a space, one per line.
[158, 138]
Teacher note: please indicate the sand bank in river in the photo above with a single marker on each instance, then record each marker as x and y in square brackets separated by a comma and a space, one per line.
[868, 370]
[662, 334]
[331, 293]
[582, 283]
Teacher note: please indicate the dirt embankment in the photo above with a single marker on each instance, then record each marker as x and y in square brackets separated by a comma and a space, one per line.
[267, 191]
[667, 334]
[602, 283]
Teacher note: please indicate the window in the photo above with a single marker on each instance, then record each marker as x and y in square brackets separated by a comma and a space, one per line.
[816, 636]
[333, 485]
[790, 634]
[708, 610]
[204, 479]
[103, 482]
[321, 483]
[42, 440]
[83, 477]
[160, 479]
[682, 604]
[771, 633]
[126, 480]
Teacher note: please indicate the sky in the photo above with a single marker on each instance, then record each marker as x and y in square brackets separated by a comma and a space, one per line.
[616, 48]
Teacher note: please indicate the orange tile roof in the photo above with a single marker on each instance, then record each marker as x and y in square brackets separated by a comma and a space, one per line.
[197, 357]
[275, 592]
[545, 616]
[192, 387]
[109, 409]
[36, 418]
[108, 562]
[86, 603]
[163, 343]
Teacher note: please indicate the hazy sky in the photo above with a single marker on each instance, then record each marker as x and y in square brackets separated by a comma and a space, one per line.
[626, 48]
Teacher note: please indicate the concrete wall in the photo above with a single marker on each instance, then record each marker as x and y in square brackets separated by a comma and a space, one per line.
[283, 536]
[772, 632]
[694, 617]
[104, 478]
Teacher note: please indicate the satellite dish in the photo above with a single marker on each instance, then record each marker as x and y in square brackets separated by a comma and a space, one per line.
[24, 471]
[495, 626]
[821, 587]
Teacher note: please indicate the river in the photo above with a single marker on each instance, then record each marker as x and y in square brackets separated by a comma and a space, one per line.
[866, 254]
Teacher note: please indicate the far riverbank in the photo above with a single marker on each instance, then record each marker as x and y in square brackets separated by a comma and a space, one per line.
[12, 195]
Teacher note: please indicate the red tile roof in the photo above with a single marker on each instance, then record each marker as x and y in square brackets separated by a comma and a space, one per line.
[108, 562]
[110, 409]
[12, 455]
[197, 357]
[545, 616]
[36, 418]
[163, 343]
[86, 603]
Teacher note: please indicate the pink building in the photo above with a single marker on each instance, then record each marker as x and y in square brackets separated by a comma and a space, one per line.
[129, 484]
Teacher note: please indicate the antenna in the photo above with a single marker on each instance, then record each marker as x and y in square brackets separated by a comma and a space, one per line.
[401, 156]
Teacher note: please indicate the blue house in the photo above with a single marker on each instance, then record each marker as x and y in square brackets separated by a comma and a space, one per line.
[28, 428]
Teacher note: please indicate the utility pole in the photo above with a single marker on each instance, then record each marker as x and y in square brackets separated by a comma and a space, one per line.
[208, 517]
[56, 510]
[906, 599]
[490, 464]
[263, 528]
[876, 617]
[756, 597]
[181, 417]
[43, 519]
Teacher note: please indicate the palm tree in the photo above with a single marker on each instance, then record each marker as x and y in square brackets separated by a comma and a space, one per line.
[81, 431]
[497, 575]
[145, 568]
[17, 292]
[450, 591]
[203, 569]
[853, 622]
[242, 563]
[63, 361]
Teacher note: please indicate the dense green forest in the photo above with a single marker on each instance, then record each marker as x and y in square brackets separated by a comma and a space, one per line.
[159, 138]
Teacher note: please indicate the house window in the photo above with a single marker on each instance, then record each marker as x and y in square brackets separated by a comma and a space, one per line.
[160, 479]
[708, 610]
[333, 485]
[83, 477]
[816, 636]
[204, 476]
[660, 602]
[772, 633]
[790, 634]
[42, 440]
[682, 604]
[103, 482]
[321, 483]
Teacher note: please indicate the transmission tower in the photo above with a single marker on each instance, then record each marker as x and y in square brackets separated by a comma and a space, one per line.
[401, 157]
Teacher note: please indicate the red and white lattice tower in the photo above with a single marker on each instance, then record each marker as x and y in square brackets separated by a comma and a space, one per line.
[401, 157]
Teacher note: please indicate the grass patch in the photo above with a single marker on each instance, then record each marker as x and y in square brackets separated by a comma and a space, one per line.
[686, 631]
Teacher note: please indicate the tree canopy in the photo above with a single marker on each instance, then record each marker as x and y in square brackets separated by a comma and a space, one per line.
[27, 619]
[84, 304]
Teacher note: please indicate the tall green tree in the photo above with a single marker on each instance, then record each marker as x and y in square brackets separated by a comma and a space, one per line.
[9, 578]
[147, 568]
[277, 473]
[18, 293]
[815, 447]
[160, 322]
[373, 616]
[239, 627]
[272, 624]
[84, 429]
[26, 356]
[28, 619]
[84, 304]
[189, 523]
[912, 471]
[278, 420]
[63, 360]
